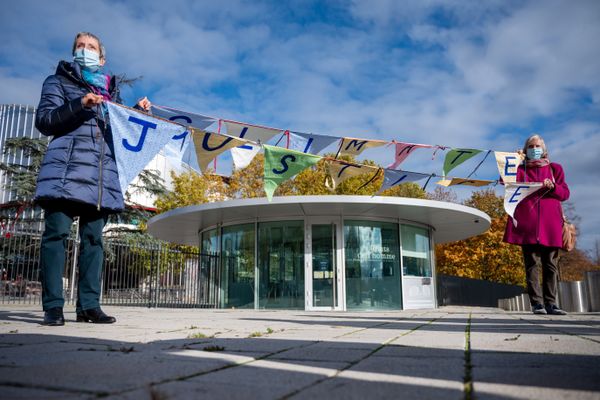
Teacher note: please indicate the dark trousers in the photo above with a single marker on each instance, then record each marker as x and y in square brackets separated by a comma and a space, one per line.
[58, 219]
[534, 255]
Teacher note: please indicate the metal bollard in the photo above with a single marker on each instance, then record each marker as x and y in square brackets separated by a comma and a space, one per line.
[572, 296]
[525, 301]
[592, 285]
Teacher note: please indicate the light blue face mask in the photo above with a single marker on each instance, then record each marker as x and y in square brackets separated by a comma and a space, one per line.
[87, 59]
[535, 153]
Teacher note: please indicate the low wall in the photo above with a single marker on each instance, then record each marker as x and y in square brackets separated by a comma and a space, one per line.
[457, 291]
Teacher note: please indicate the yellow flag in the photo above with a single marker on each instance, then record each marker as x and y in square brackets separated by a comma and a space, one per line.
[464, 182]
[210, 145]
[353, 147]
[339, 171]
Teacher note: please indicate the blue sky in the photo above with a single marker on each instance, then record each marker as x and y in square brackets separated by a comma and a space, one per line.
[458, 73]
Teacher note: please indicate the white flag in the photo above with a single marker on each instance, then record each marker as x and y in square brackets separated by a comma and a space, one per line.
[137, 138]
[309, 142]
[243, 155]
[508, 164]
[180, 150]
[514, 193]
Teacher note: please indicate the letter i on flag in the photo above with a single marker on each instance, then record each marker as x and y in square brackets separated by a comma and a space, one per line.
[282, 164]
[514, 193]
[137, 138]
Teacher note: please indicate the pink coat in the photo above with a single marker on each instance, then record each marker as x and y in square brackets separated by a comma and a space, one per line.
[539, 216]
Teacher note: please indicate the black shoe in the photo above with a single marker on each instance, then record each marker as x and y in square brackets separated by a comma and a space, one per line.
[554, 310]
[538, 309]
[96, 316]
[54, 317]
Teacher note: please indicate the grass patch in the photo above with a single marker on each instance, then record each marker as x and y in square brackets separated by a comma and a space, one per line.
[198, 335]
[269, 331]
[255, 334]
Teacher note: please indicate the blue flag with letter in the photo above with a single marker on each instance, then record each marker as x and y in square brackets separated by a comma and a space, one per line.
[137, 138]
[393, 177]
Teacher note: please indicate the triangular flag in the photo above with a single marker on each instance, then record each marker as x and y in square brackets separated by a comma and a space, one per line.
[353, 146]
[403, 150]
[243, 155]
[137, 138]
[393, 177]
[181, 150]
[339, 171]
[514, 193]
[282, 164]
[210, 145]
[508, 164]
[464, 182]
[455, 157]
[310, 142]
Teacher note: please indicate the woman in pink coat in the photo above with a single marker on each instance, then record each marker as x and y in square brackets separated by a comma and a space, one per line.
[539, 225]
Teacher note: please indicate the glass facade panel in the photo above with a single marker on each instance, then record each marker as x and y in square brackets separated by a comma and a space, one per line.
[323, 265]
[372, 265]
[415, 251]
[210, 242]
[281, 264]
[237, 262]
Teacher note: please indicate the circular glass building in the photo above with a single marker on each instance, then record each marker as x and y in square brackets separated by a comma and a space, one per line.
[322, 252]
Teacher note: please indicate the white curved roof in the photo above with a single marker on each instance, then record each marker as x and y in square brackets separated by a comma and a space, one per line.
[449, 221]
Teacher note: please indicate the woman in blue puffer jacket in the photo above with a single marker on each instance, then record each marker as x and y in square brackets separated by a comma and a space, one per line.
[78, 176]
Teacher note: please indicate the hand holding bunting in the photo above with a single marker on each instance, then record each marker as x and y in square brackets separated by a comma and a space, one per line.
[137, 138]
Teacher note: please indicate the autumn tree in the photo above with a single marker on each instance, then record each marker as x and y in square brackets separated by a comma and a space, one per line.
[484, 256]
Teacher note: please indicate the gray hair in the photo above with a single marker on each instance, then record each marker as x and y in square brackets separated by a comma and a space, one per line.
[80, 34]
[538, 137]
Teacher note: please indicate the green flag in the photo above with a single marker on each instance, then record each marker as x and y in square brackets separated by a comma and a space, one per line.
[456, 157]
[282, 164]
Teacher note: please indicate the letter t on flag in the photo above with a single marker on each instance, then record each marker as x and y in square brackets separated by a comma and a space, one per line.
[514, 193]
[282, 164]
[137, 138]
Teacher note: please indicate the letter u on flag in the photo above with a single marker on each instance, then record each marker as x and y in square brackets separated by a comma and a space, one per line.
[455, 157]
[210, 145]
[514, 193]
[282, 164]
[243, 155]
[137, 138]
[353, 147]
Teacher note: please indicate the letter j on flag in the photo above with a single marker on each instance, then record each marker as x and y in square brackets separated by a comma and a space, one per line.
[282, 164]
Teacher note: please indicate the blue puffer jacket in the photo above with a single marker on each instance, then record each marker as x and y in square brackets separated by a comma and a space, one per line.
[79, 164]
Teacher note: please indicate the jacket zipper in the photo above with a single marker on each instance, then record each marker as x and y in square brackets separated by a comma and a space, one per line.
[101, 167]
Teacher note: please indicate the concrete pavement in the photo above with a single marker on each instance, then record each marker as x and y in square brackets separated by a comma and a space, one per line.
[448, 353]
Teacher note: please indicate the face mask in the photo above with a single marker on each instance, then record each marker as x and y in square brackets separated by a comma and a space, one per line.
[535, 153]
[88, 59]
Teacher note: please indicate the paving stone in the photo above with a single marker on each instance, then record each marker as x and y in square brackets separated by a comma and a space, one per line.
[14, 393]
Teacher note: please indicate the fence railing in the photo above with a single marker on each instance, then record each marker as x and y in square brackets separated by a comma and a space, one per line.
[135, 272]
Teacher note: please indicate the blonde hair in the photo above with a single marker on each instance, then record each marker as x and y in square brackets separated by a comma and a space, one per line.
[538, 137]
[89, 34]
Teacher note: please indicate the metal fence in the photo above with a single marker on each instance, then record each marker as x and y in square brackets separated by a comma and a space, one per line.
[136, 272]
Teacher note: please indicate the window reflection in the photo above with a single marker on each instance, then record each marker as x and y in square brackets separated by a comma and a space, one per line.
[372, 265]
[415, 251]
[281, 264]
[237, 260]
